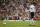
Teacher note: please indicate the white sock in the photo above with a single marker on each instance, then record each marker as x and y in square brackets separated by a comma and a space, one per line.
[33, 21]
[30, 21]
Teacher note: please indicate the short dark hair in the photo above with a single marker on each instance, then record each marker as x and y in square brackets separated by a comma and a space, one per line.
[31, 3]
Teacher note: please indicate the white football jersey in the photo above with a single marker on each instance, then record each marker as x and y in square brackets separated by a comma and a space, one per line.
[32, 8]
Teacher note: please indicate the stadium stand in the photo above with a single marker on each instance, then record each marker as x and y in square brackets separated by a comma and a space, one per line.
[18, 9]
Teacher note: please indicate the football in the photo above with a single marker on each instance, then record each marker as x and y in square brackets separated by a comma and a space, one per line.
[4, 23]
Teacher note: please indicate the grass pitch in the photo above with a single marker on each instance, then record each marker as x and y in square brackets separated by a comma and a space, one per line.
[19, 24]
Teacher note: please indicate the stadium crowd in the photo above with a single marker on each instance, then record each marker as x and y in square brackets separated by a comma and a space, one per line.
[17, 10]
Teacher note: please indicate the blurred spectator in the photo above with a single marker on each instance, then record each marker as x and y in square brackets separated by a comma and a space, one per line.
[17, 9]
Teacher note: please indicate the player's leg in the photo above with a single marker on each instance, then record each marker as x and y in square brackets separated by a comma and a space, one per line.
[33, 17]
[33, 22]
[30, 19]
[30, 22]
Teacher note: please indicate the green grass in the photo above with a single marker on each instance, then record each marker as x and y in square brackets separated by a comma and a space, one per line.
[19, 24]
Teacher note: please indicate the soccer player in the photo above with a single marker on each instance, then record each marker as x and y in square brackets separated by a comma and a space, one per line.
[32, 11]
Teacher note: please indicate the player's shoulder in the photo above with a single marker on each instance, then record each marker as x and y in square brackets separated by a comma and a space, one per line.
[32, 5]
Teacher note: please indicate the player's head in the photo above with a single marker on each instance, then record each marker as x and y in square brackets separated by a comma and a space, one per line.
[31, 3]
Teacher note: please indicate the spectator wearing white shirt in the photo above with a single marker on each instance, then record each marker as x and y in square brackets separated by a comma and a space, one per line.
[21, 6]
